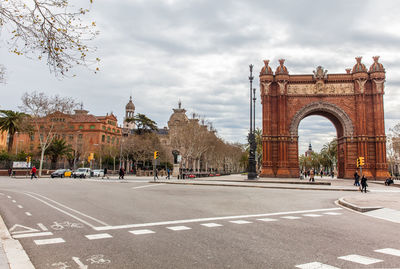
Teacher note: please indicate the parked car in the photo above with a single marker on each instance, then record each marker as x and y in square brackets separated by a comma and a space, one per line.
[82, 173]
[61, 173]
[98, 173]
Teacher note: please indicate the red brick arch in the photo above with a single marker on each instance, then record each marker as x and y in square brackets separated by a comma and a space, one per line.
[352, 101]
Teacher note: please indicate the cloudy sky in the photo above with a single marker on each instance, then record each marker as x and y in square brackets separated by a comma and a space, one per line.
[198, 51]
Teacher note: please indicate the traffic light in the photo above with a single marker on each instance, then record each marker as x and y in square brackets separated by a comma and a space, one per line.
[91, 157]
[358, 162]
[361, 160]
[156, 155]
[28, 159]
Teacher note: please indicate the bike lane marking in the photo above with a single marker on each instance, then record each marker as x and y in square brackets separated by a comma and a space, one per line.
[16, 236]
[49, 241]
[145, 186]
[98, 236]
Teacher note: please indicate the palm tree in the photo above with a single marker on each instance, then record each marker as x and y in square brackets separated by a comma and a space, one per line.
[259, 150]
[11, 122]
[329, 151]
[143, 124]
[58, 148]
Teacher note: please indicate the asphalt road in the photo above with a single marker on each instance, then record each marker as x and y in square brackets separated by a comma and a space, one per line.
[72, 223]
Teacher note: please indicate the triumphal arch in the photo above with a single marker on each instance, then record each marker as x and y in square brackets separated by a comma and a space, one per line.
[352, 101]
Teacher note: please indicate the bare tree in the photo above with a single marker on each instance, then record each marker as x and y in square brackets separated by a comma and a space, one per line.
[50, 29]
[41, 107]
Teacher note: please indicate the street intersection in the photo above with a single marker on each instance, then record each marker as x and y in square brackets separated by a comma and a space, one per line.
[67, 223]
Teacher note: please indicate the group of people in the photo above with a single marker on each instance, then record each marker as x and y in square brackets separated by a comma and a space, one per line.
[311, 174]
[364, 185]
[156, 174]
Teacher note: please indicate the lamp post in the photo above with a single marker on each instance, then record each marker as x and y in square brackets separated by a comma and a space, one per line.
[252, 174]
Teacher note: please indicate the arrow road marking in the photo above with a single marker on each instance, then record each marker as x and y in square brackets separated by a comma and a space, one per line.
[25, 229]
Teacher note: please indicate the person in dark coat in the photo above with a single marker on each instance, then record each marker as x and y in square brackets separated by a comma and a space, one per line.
[168, 173]
[105, 173]
[356, 179]
[121, 173]
[364, 184]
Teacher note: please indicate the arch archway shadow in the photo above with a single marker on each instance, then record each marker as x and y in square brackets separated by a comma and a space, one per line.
[353, 102]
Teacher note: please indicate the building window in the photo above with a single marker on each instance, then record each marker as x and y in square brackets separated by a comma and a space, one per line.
[80, 136]
[103, 127]
[91, 126]
[71, 137]
[108, 139]
[80, 127]
[114, 130]
[109, 129]
[63, 136]
[113, 140]
[103, 138]
[71, 127]
[118, 131]
[117, 141]
[32, 137]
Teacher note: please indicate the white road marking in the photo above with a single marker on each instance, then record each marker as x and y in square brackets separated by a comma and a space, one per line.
[360, 259]
[179, 228]
[28, 214]
[315, 265]
[49, 241]
[65, 212]
[41, 226]
[332, 213]
[290, 217]
[211, 225]
[389, 251]
[25, 229]
[76, 211]
[13, 201]
[312, 215]
[138, 232]
[127, 226]
[267, 219]
[240, 221]
[385, 214]
[98, 236]
[145, 186]
[32, 235]
[20, 206]
[9, 197]
[1, 193]
[79, 263]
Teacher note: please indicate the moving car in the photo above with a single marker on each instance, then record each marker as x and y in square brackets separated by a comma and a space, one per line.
[61, 173]
[82, 173]
[98, 173]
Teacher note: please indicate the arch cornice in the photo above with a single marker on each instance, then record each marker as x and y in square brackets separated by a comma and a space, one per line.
[326, 107]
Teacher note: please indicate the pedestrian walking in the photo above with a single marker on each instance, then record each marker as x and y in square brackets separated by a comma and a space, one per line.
[322, 173]
[9, 172]
[33, 172]
[356, 179]
[168, 173]
[332, 174]
[312, 174]
[121, 173]
[364, 184]
[105, 173]
[155, 174]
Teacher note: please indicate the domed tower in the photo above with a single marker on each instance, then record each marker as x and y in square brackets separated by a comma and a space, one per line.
[282, 76]
[360, 75]
[178, 118]
[129, 114]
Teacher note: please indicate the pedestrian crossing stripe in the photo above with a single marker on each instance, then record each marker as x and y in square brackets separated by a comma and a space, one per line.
[389, 251]
[211, 225]
[315, 265]
[145, 231]
[360, 259]
[240, 221]
[179, 228]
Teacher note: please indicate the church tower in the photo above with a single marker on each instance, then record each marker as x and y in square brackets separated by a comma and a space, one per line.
[129, 114]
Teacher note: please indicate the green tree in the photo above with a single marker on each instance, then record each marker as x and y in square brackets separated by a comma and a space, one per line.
[143, 124]
[329, 154]
[259, 149]
[57, 149]
[11, 122]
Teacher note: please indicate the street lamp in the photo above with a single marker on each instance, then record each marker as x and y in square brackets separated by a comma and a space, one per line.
[252, 174]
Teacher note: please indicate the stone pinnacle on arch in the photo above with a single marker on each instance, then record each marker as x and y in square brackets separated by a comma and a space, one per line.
[266, 70]
[281, 69]
[359, 66]
[376, 66]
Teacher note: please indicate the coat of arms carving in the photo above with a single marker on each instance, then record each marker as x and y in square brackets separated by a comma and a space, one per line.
[320, 73]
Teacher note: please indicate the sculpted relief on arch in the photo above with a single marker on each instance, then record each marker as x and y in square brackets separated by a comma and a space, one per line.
[332, 109]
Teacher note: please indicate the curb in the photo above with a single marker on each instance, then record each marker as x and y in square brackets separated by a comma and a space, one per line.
[15, 253]
[269, 181]
[253, 186]
[344, 203]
